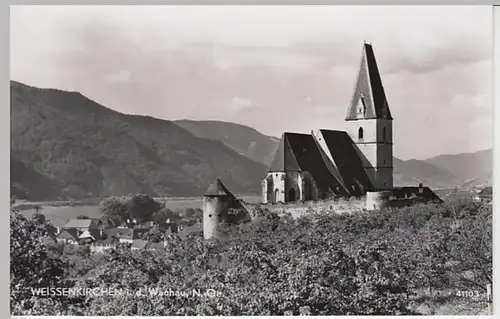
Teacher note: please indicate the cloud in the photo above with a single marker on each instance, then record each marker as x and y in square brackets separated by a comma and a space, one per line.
[122, 76]
[241, 104]
[326, 110]
[298, 66]
[476, 102]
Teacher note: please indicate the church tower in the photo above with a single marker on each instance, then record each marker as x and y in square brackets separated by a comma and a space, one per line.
[369, 122]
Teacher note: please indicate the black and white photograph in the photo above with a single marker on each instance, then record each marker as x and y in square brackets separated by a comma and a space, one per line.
[251, 160]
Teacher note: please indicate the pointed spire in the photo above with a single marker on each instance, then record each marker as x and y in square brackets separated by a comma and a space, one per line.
[218, 189]
[368, 100]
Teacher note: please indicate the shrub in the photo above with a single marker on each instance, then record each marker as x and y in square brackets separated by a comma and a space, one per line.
[31, 265]
[318, 264]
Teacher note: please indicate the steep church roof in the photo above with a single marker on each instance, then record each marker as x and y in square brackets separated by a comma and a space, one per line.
[347, 161]
[218, 189]
[300, 152]
[369, 95]
[284, 159]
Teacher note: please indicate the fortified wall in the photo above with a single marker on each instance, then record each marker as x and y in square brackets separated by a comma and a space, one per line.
[397, 197]
[297, 209]
[219, 205]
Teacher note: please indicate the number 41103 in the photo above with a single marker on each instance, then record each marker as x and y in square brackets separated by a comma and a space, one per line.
[468, 293]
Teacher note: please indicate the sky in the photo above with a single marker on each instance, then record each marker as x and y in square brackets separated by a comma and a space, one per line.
[274, 68]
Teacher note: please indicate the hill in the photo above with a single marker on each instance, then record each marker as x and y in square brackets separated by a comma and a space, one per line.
[27, 183]
[444, 171]
[243, 139]
[471, 168]
[412, 172]
[64, 144]
[95, 151]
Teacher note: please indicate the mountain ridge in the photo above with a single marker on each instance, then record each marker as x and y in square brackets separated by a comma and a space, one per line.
[432, 171]
[80, 148]
[96, 151]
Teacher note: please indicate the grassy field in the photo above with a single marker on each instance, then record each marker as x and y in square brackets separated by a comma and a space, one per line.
[59, 215]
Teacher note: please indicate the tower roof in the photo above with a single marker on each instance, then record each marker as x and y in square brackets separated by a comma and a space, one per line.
[369, 94]
[218, 189]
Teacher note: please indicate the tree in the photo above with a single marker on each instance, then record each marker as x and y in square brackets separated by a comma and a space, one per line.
[39, 219]
[37, 208]
[319, 264]
[31, 266]
[472, 250]
[142, 207]
[114, 210]
[164, 214]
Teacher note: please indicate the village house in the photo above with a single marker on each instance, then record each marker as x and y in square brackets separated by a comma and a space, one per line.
[81, 225]
[104, 244]
[68, 236]
[132, 234]
[193, 229]
[138, 244]
[90, 236]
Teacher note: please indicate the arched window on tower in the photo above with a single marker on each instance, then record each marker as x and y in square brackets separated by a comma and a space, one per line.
[360, 133]
[383, 134]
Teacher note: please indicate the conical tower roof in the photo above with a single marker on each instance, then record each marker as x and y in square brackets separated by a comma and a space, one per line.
[218, 189]
[368, 100]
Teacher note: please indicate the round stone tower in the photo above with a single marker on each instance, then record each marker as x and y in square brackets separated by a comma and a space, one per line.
[216, 203]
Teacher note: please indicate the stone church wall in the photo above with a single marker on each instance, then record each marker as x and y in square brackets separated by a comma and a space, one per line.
[297, 209]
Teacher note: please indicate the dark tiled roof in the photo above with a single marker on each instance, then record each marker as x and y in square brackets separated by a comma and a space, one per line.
[409, 191]
[218, 189]
[171, 228]
[309, 159]
[71, 233]
[487, 191]
[135, 233]
[284, 159]
[369, 89]
[118, 232]
[347, 161]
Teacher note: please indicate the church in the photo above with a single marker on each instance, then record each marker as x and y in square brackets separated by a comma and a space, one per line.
[335, 163]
